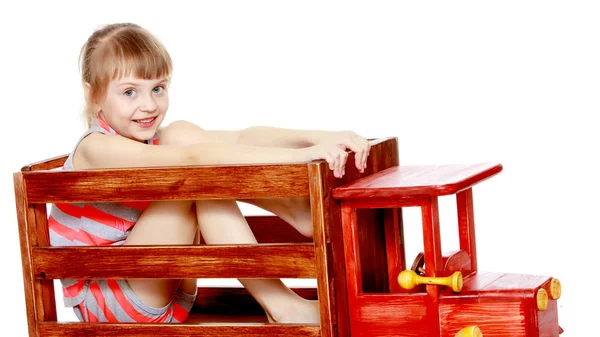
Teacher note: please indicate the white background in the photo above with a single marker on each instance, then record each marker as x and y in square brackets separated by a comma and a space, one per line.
[514, 82]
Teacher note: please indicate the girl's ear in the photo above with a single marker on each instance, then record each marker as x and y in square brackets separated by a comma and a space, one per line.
[87, 88]
[86, 91]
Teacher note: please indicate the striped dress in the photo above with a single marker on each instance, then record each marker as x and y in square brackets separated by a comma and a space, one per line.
[106, 224]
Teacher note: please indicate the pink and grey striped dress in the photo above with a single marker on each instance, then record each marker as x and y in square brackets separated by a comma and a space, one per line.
[106, 224]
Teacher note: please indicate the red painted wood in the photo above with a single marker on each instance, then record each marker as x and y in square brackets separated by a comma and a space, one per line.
[25, 243]
[205, 261]
[351, 253]
[501, 305]
[328, 238]
[44, 289]
[167, 183]
[516, 282]
[433, 259]
[386, 315]
[387, 203]
[466, 225]
[500, 318]
[456, 261]
[394, 246]
[48, 164]
[473, 283]
[548, 321]
[403, 181]
[53, 329]
[372, 251]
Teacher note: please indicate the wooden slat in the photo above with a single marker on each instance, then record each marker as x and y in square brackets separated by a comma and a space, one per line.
[392, 315]
[429, 180]
[167, 183]
[318, 175]
[24, 239]
[206, 261]
[433, 259]
[48, 164]
[394, 246]
[52, 329]
[39, 236]
[466, 225]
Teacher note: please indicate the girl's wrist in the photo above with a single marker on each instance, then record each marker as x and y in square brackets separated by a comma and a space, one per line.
[313, 137]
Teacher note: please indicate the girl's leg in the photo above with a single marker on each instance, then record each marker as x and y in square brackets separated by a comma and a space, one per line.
[163, 223]
[294, 211]
[221, 222]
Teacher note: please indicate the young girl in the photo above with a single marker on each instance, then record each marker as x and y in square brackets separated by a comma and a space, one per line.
[125, 76]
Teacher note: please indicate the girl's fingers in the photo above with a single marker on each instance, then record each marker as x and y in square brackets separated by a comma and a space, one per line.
[343, 159]
[330, 160]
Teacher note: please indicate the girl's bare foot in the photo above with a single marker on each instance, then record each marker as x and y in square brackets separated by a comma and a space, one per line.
[300, 215]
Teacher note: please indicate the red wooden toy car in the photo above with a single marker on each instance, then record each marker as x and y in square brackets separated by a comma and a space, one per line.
[441, 294]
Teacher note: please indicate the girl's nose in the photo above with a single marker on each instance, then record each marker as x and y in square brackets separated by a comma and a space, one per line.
[148, 104]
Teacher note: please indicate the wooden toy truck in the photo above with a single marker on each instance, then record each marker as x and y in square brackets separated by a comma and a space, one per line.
[356, 255]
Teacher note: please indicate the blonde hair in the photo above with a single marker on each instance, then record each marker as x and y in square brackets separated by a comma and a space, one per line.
[116, 51]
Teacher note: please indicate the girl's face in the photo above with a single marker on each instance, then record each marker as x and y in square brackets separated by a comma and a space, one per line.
[135, 107]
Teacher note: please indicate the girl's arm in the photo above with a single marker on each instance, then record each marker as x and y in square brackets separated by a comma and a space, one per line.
[113, 151]
[263, 136]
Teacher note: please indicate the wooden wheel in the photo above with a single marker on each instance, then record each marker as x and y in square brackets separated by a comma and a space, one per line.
[418, 264]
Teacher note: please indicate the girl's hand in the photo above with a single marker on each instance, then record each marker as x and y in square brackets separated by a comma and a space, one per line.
[347, 140]
[335, 155]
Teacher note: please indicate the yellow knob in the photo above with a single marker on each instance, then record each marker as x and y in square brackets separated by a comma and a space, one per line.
[408, 279]
[470, 331]
[542, 299]
[555, 289]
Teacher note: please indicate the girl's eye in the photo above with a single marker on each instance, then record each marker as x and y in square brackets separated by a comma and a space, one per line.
[158, 90]
[129, 93]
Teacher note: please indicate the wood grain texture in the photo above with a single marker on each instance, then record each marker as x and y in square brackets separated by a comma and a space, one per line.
[387, 315]
[210, 261]
[24, 230]
[353, 267]
[39, 237]
[318, 174]
[433, 258]
[188, 183]
[372, 250]
[495, 319]
[374, 202]
[456, 261]
[466, 226]
[403, 181]
[487, 285]
[48, 164]
[51, 329]
[501, 305]
[167, 183]
[394, 246]
[384, 154]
